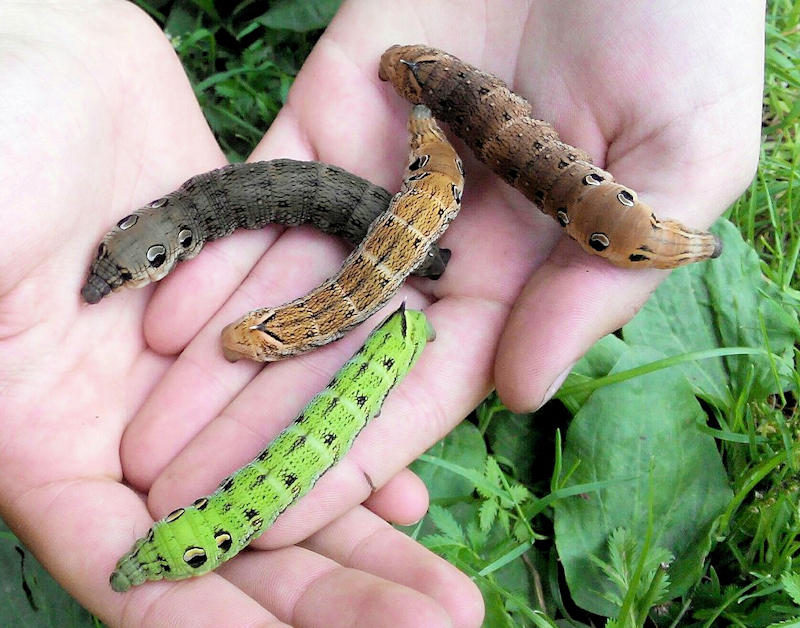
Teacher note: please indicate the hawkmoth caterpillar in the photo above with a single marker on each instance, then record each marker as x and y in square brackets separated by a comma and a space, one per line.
[605, 218]
[194, 540]
[146, 245]
[395, 245]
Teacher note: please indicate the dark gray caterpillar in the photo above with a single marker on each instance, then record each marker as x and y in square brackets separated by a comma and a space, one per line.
[146, 245]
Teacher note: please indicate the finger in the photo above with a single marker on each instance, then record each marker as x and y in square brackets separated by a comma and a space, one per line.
[360, 540]
[451, 377]
[570, 303]
[402, 500]
[306, 589]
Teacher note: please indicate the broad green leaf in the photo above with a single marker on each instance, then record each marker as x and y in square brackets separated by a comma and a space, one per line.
[300, 16]
[720, 303]
[522, 443]
[463, 446]
[31, 598]
[496, 614]
[597, 362]
[642, 436]
[601, 358]
[180, 21]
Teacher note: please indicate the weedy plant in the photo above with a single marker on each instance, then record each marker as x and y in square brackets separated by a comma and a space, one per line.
[673, 495]
[660, 487]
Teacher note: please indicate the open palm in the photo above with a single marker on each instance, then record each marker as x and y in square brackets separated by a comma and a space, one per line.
[98, 119]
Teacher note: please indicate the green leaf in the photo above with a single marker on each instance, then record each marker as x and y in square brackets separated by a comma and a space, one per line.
[464, 447]
[300, 16]
[597, 362]
[31, 598]
[444, 520]
[791, 584]
[488, 514]
[519, 493]
[512, 437]
[721, 303]
[441, 542]
[640, 433]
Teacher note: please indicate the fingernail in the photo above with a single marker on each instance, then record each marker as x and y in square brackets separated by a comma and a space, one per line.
[553, 388]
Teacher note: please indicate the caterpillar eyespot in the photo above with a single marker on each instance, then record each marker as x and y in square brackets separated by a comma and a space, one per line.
[626, 198]
[194, 540]
[128, 222]
[185, 237]
[175, 514]
[599, 241]
[418, 163]
[604, 217]
[156, 255]
[212, 205]
[224, 541]
[394, 246]
[195, 557]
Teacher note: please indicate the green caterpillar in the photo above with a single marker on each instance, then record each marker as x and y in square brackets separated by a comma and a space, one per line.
[194, 540]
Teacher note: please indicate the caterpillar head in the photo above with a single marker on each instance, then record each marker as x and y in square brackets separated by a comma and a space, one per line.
[256, 336]
[142, 248]
[407, 67]
[609, 220]
[416, 328]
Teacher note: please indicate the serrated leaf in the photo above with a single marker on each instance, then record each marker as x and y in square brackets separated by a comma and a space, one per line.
[440, 541]
[793, 622]
[521, 532]
[622, 553]
[446, 523]
[791, 584]
[519, 493]
[487, 514]
[504, 519]
[492, 471]
[477, 537]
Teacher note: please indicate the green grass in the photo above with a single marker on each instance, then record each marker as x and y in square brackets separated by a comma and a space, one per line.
[712, 533]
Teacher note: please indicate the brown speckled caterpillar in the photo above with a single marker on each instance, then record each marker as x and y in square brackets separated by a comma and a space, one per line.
[146, 245]
[396, 243]
[606, 218]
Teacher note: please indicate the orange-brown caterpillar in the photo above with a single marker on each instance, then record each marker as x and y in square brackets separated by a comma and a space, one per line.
[606, 218]
[397, 243]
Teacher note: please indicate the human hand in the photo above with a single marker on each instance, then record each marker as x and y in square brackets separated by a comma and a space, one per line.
[98, 120]
[511, 265]
[658, 97]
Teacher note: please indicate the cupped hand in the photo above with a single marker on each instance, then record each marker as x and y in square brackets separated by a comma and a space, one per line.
[99, 120]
